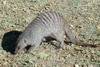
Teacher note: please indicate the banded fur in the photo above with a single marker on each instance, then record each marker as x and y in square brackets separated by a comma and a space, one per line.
[46, 24]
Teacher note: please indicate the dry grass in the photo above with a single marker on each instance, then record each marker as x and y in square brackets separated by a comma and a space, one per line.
[84, 17]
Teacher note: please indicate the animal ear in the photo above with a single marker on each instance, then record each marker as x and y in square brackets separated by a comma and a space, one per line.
[25, 40]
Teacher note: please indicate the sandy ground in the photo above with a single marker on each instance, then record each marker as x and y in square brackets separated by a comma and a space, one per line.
[84, 17]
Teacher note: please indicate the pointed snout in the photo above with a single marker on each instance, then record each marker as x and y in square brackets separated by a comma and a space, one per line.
[16, 51]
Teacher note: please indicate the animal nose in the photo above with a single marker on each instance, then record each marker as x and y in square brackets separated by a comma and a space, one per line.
[16, 51]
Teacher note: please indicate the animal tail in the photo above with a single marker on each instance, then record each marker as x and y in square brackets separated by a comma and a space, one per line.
[73, 39]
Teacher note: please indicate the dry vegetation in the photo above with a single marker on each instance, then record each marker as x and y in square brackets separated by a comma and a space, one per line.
[84, 17]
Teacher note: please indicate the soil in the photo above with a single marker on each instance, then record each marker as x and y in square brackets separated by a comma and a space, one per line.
[84, 17]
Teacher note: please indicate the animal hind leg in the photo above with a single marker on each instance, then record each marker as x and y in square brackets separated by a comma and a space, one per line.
[59, 37]
[71, 36]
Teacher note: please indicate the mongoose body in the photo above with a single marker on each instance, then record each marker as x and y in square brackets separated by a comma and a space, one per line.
[45, 24]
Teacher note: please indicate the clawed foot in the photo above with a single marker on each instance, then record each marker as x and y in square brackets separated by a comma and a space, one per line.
[26, 52]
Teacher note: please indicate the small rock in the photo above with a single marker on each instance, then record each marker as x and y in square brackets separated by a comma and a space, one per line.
[4, 2]
[76, 65]
[90, 66]
[30, 62]
[92, 51]
[98, 27]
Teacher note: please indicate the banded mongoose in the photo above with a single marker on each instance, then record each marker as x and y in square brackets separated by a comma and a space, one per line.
[48, 23]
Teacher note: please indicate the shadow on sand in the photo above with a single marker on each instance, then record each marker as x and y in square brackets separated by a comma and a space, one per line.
[9, 41]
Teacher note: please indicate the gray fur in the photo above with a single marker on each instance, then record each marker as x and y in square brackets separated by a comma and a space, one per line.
[45, 24]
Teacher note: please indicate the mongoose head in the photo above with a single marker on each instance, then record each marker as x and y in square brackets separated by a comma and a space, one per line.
[21, 44]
